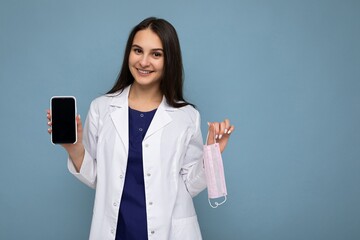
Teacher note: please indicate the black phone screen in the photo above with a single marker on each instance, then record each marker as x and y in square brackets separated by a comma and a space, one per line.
[63, 113]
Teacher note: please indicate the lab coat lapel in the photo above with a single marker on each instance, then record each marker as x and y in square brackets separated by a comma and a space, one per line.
[161, 118]
[120, 116]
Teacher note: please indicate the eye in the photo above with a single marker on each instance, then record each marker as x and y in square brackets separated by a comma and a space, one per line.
[137, 50]
[157, 54]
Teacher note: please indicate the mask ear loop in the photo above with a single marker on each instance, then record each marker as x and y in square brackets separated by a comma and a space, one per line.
[216, 203]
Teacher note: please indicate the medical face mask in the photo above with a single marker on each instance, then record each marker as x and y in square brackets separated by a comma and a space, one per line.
[215, 177]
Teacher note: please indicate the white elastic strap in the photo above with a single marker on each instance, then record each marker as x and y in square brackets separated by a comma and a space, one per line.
[216, 203]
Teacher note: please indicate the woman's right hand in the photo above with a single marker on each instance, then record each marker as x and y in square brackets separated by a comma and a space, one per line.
[76, 151]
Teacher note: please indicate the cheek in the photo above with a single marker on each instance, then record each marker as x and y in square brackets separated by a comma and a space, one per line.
[131, 64]
[132, 59]
[160, 65]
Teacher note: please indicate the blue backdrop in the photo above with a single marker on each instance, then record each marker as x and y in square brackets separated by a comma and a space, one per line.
[287, 73]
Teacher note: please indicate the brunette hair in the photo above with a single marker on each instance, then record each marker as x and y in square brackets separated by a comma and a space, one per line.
[171, 84]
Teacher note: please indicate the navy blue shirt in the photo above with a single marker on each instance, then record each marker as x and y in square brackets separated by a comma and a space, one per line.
[132, 223]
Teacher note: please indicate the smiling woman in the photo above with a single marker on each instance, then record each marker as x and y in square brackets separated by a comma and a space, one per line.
[142, 147]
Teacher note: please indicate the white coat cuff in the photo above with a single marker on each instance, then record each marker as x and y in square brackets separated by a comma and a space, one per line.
[87, 172]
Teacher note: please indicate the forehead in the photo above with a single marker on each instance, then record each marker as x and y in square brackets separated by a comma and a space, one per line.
[147, 39]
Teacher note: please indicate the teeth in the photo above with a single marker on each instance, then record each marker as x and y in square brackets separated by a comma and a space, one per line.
[143, 71]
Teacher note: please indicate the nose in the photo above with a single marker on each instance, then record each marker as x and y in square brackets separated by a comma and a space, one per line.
[144, 61]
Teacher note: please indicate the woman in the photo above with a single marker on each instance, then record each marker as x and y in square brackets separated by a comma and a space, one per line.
[141, 147]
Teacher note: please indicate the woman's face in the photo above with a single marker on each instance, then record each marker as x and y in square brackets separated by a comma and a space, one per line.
[146, 59]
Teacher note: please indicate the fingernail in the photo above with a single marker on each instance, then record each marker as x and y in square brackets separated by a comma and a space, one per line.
[225, 131]
[208, 124]
[49, 123]
[216, 136]
[220, 136]
[229, 132]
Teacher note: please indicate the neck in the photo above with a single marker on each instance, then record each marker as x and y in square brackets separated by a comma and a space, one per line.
[144, 98]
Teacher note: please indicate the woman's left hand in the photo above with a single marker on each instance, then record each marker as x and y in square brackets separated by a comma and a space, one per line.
[219, 132]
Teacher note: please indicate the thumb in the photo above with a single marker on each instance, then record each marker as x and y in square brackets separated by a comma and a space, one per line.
[79, 127]
[211, 134]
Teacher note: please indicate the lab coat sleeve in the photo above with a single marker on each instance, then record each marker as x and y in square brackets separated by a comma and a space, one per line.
[192, 171]
[87, 172]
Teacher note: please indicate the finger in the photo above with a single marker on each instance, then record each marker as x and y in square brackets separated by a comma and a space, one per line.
[49, 123]
[216, 129]
[48, 115]
[231, 129]
[227, 125]
[221, 129]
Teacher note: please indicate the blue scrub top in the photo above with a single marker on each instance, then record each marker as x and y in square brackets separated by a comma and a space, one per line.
[132, 223]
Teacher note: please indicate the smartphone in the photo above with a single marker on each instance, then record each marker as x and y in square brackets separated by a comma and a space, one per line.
[63, 117]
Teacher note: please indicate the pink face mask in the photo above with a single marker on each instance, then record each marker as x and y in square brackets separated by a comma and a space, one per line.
[215, 177]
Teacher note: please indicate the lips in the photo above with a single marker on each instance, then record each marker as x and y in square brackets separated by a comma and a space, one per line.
[144, 72]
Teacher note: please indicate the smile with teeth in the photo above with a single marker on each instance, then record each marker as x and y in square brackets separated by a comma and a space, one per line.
[144, 72]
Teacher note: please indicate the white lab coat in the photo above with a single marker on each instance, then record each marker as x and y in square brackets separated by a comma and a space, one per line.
[172, 162]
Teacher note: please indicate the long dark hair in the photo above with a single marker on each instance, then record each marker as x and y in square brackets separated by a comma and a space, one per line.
[172, 81]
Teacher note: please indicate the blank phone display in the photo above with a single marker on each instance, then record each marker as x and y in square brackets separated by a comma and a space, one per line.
[63, 112]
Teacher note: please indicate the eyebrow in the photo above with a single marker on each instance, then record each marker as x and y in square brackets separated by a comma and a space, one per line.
[154, 49]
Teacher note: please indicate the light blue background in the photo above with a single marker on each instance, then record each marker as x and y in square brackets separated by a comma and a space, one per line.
[287, 73]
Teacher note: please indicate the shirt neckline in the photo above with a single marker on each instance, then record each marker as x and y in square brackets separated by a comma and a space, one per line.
[134, 110]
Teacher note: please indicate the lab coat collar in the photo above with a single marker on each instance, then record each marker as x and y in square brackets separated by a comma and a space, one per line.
[161, 118]
[120, 116]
